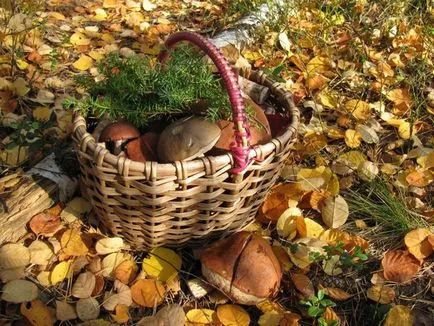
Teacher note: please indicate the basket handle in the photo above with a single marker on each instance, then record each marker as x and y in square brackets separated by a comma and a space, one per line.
[241, 148]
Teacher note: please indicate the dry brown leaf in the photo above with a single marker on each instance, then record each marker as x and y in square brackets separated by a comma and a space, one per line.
[65, 311]
[11, 274]
[198, 288]
[151, 321]
[172, 315]
[378, 278]
[335, 293]
[303, 284]
[399, 315]
[290, 319]
[37, 313]
[40, 253]
[87, 309]
[381, 294]
[418, 244]
[147, 293]
[123, 296]
[399, 266]
[110, 262]
[14, 255]
[106, 246]
[283, 258]
[84, 285]
[99, 285]
[334, 211]
[19, 291]
[126, 271]
[45, 224]
[73, 243]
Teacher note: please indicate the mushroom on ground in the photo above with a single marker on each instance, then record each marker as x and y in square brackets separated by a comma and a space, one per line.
[117, 134]
[144, 148]
[187, 139]
[244, 267]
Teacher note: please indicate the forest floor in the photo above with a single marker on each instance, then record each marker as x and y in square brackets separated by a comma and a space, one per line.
[356, 240]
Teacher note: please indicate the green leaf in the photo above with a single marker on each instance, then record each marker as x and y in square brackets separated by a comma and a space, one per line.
[327, 303]
[314, 311]
[320, 294]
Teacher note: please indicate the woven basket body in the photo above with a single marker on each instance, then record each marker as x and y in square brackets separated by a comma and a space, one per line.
[152, 204]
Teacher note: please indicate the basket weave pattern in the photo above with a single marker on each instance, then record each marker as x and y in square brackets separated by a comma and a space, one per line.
[152, 204]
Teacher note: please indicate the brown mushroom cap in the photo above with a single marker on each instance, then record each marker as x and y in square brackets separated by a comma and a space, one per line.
[186, 139]
[244, 267]
[144, 148]
[260, 131]
[120, 130]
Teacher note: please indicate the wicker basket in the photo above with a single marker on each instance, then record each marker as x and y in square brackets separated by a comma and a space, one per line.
[152, 204]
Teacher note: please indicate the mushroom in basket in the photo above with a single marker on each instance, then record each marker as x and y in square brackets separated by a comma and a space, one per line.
[186, 139]
[117, 134]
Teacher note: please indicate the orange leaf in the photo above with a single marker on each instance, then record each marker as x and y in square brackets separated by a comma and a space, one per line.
[303, 284]
[301, 226]
[311, 199]
[147, 293]
[419, 178]
[37, 313]
[73, 243]
[121, 315]
[430, 240]
[316, 82]
[277, 202]
[126, 271]
[45, 224]
[330, 315]
[399, 266]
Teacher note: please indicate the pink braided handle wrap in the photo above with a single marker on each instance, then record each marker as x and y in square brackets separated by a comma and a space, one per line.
[241, 148]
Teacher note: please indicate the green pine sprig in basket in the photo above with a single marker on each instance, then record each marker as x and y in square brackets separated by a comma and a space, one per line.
[141, 90]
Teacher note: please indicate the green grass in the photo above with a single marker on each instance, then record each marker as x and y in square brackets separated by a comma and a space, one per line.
[379, 206]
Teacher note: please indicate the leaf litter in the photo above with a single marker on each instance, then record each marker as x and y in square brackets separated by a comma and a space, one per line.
[368, 124]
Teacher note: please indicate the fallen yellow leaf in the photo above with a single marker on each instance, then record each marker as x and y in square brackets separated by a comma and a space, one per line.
[83, 63]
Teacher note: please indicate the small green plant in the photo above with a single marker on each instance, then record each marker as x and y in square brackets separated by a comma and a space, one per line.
[316, 307]
[140, 90]
[347, 260]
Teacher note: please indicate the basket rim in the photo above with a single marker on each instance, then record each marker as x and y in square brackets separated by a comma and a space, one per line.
[257, 152]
